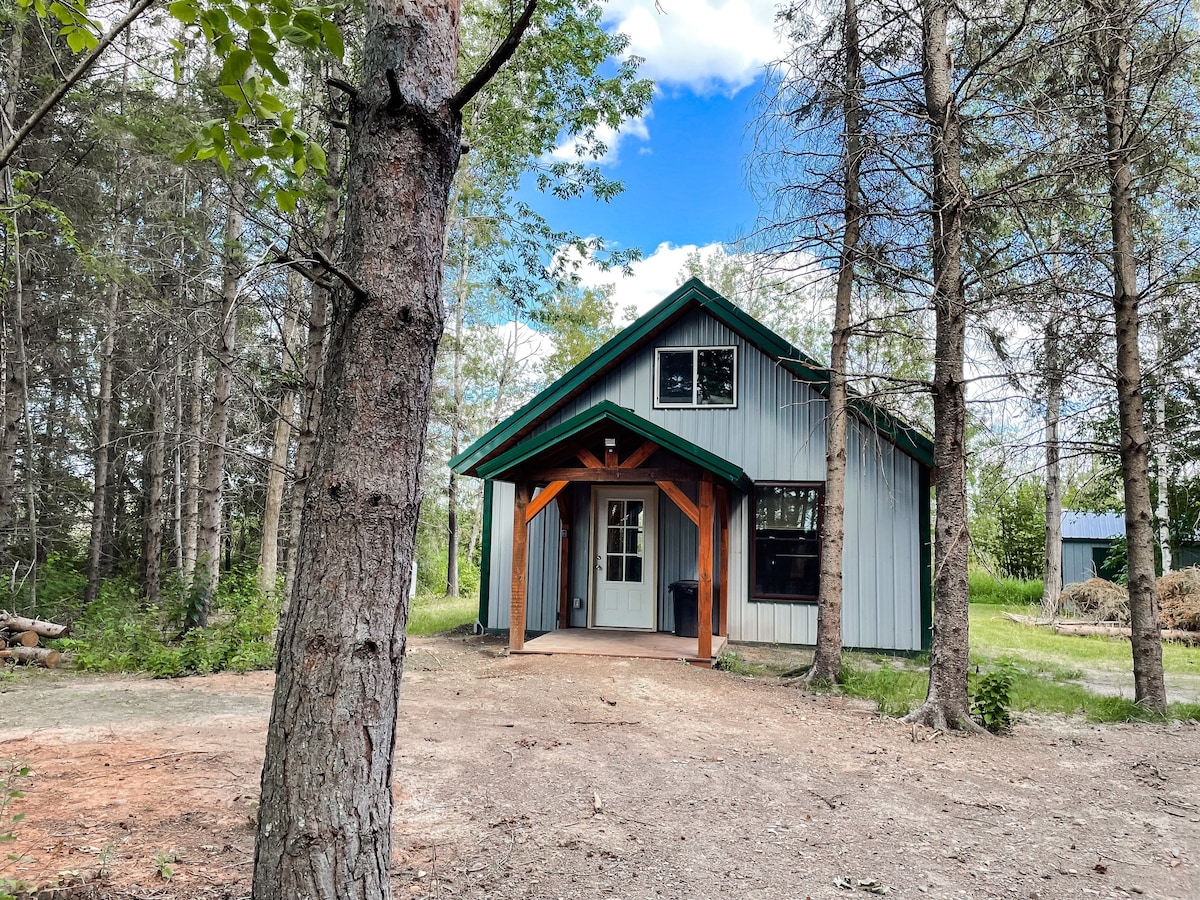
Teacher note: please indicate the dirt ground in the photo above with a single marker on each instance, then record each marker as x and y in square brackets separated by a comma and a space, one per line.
[708, 785]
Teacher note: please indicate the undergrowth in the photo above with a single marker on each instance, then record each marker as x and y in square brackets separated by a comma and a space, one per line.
[119, 632]
[987, 588]
[13, 774]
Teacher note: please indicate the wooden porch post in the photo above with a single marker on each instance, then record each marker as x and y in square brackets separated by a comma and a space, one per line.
[705, 566]
[564, 560]
[723, 565]
[520, 559]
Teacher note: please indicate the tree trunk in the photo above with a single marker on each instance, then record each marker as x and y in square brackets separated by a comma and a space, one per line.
[314, 362]
[104, 419]
[177, 466]
[1112, 52]
[326, 801]
[460, 301]
[152, 526]
[195, 446]
[1161, 468]
[827, 659]
[208, 545]
[1052, 573]
[946, 703]
[10, 406]
[268, 556]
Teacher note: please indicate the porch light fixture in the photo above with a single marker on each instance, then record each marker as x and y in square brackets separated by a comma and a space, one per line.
[610, 443]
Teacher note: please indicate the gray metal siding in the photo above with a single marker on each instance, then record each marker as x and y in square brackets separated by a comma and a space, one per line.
[541, 592]
[1077, 562]
[776, 433]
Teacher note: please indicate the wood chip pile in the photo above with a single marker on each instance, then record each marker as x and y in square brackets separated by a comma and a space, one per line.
[1102, 601]
[1096, 599]
[20, 637]
[1179, 599]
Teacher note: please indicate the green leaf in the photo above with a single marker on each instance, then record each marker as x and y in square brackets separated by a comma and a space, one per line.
[183, 10]
[188, 152]
[286, 201]
[297, 36]
[223, 158]
[315, 154]
[76, 40]
[298, 166]
[233, 92]
[332, 37]
[238, 132]
[237, 64]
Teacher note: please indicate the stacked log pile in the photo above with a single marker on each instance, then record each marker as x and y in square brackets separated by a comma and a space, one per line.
[20, 637]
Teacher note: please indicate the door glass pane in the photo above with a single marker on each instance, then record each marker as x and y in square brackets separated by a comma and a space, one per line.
[614, 540]
[633, 541]
[633, 569]
[633, 513]
[616, 568]
[616, 511]
[715, 377]
[675, 376]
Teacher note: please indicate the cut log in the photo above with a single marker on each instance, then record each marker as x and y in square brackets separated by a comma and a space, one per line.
[20, 623]
[23, 639]
[43, 656]
[1076, 626]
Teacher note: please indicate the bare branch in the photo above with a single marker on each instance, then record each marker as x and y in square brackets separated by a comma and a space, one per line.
[489, 69]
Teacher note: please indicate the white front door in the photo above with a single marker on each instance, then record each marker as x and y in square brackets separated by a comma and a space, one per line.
[624, 564]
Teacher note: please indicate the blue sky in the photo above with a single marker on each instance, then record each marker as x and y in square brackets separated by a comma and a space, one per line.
[683, 164]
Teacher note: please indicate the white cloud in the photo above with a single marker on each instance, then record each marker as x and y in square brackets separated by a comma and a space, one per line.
[527, 347]
[612, 138]
[708, 46]
[652, 279]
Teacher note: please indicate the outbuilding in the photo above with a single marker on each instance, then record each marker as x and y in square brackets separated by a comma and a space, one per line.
[684, 462]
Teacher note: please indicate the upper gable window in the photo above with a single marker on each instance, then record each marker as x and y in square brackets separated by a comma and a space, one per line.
[695, 376]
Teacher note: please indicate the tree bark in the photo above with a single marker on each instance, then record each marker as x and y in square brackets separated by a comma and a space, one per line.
[946, 703]
[104, 420]
[195, 448]
[1052, 573]
[268, 557]
[314, 361]
[326, 807]
[208, 545]
[456, 410]
[152, 525]
[1161, 467]
[827, 659]
[1112, 52]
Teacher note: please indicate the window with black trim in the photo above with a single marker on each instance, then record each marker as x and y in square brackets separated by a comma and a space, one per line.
[695, 376]
[785, 559]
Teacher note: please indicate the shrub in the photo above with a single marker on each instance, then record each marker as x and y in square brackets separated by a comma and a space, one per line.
[992, 698]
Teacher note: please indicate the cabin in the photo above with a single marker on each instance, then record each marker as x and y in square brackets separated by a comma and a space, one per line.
[664, 498]
[1088, 539]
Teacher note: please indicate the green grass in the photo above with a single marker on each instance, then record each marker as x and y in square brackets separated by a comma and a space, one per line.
[993, 636]
[432, 613]
[1048, 669]
[986, 588]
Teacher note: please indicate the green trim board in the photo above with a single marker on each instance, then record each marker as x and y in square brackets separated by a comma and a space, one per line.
[607, 411]
[692, 294]
[485, 560]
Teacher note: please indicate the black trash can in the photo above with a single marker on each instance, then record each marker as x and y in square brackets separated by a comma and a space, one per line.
[685, 596]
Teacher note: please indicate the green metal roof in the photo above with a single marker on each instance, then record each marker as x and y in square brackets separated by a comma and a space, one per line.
[692, 294]
[607, 411]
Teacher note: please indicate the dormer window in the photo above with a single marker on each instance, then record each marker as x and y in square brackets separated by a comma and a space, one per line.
[692, 377]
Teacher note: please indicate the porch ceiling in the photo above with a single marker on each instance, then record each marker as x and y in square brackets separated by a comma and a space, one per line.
[557, 446]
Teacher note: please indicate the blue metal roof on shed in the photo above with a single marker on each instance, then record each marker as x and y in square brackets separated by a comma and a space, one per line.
[1086, 526]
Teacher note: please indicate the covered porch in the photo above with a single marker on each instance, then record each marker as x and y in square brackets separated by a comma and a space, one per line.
[628, 644]
[606, 471]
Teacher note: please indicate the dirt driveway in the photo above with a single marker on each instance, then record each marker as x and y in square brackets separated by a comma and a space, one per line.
[708, 785]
